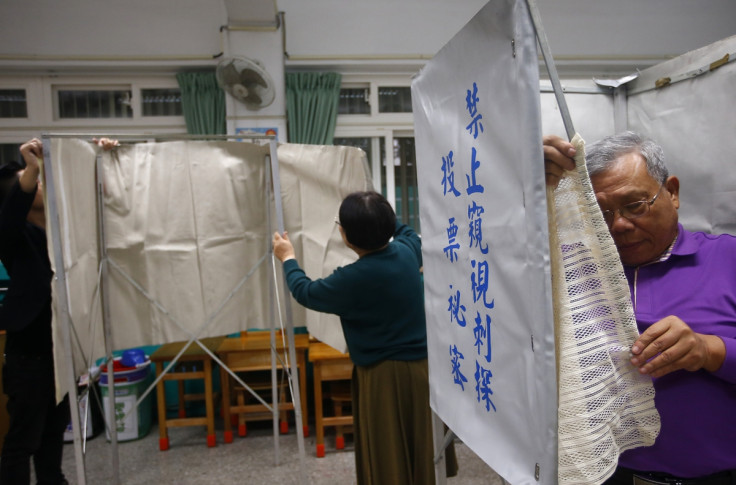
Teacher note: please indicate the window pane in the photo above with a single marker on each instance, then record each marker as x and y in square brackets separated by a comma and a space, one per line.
[353, 102]
[405, 177]
[13, 103]
[362, 143]
[94, 104]
[394, 99]
[161, 102]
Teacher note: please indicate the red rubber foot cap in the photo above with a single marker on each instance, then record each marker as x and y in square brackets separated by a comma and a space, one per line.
[234, 419]
[340, 443]
[320, 451]
[284, 427]
[306, 431]
[211, 440]
[163, 444]
[242, 431]
[228, 437]
[182, 413]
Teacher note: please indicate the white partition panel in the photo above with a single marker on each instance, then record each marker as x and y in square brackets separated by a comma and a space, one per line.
[694, 121]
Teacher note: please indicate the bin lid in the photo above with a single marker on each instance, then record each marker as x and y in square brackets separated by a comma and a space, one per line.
[119, 368]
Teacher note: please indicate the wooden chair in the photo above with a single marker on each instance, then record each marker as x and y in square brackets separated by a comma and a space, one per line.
[342, 398]
[261, 384]
[248, 353]
[194, 363]
[330, 365]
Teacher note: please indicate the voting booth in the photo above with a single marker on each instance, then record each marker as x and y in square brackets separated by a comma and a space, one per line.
[157, 242]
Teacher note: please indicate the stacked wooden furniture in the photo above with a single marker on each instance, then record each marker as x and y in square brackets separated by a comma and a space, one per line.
[250, 353]
[335, 369]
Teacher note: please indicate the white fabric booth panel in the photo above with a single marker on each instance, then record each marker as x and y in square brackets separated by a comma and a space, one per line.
[187, 231]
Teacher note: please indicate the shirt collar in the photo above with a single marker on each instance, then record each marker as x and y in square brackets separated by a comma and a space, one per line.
[685, 244]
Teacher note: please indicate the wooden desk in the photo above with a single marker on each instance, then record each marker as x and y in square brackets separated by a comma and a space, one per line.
[328, 365]
[179, 373]
[252, 352]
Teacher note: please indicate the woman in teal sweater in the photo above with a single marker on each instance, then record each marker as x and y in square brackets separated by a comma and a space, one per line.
[379, 299]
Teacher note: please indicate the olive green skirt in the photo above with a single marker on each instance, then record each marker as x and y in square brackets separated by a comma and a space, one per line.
[392, 423]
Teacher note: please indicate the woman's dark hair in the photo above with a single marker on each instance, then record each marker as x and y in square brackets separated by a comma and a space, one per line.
[368, 220]
[8, 176]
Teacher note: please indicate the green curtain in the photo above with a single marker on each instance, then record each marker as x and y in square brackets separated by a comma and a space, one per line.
[311, 106]
[203, 103]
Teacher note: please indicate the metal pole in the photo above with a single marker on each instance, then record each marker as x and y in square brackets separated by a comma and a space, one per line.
[620, 107]
[296, 397]
[440, 444]
[62, 306]
[551, 68]
[111, 422]
[271, 300]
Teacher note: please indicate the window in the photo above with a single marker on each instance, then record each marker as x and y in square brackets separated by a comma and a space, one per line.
[76, 103]
[404, 173]
[384, 130]
[13, 103]
[161, 102]
[394, 99]
[354, 101]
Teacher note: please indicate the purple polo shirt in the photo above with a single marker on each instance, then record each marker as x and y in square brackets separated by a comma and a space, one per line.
[697, 283]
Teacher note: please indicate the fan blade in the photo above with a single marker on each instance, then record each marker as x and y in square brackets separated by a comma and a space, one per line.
[229, 74]
[249, 76]
[253, 100]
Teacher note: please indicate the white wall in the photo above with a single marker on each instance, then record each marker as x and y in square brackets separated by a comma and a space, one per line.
[597, 34]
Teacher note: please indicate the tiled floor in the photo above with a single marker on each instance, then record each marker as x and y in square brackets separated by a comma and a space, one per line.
[248, 460]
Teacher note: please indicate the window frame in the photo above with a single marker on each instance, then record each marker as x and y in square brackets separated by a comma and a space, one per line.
[377, 125]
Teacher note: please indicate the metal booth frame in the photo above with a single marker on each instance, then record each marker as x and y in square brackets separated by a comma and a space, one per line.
[67, 375]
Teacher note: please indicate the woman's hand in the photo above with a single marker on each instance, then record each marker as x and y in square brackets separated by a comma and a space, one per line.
[282, 248]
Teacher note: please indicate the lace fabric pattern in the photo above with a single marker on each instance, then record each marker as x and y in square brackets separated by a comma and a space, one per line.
[604, 405]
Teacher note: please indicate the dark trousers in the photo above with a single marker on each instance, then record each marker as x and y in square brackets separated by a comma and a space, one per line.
[37, 424]
[624, 476]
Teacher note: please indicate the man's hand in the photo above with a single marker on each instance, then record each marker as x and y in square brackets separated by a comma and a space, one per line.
[558, 157]
[670, 345]
[282, 247]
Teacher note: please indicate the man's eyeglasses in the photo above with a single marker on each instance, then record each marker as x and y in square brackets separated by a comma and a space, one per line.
[337, 221]
[631, 211]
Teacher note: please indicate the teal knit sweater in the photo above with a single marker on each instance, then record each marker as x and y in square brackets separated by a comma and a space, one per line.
[379, 299]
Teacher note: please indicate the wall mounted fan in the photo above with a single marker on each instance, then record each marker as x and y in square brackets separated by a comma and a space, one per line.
[247, 81]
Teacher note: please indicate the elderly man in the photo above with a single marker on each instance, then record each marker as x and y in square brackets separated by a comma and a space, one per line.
[683, 288]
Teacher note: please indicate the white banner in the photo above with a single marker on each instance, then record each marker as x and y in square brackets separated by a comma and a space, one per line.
[485, 244]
